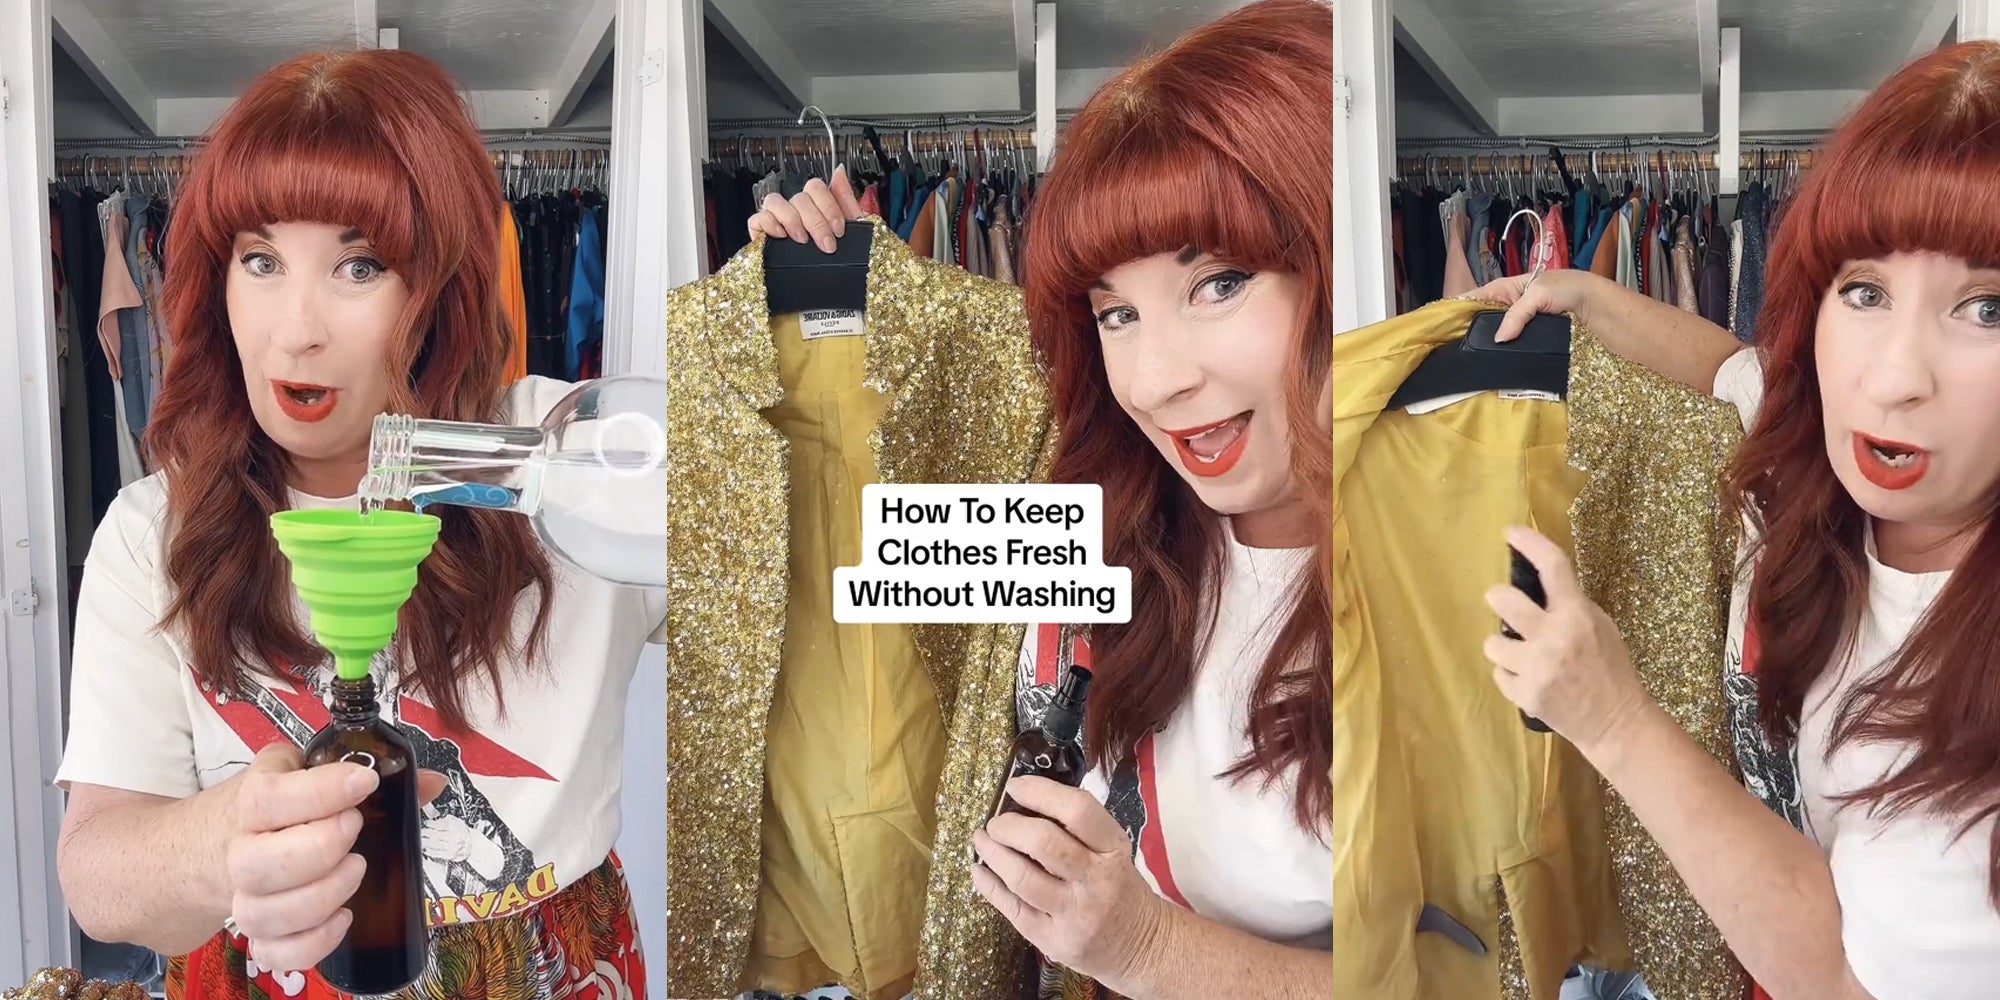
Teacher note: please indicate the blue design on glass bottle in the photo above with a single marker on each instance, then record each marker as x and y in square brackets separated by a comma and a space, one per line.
[470, 495]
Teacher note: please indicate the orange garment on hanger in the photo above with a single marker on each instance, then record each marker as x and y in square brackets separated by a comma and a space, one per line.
[513, 296]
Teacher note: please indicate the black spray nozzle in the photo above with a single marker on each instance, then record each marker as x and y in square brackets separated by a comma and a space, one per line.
[1074, 686]
[1524, 577]
[1064, 718]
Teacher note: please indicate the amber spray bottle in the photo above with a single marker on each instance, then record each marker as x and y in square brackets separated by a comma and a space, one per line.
[1054, 748]
[386, 947]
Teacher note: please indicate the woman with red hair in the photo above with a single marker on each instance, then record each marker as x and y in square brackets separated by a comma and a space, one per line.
[1178, 274]
[335, 257]
[1863, 634]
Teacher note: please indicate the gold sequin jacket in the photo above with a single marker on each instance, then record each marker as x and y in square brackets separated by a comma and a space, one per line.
[1442, 798]
[964, 402]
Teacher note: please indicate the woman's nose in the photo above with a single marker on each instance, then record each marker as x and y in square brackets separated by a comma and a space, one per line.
[1163, 372]
[299, 329]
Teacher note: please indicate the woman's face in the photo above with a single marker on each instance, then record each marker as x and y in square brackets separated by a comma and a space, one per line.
[313, 311]
[1196, 351]
[1908, 349]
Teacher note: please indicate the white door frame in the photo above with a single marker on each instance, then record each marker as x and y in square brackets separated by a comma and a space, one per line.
[35, 930]
[657, 104]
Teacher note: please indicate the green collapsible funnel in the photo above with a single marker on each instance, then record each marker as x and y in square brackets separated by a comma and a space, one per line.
[354, 573]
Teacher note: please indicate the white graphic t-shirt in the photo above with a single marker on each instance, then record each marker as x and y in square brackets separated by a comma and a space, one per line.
[531, 803]
[1232, 851]
[1916, 921]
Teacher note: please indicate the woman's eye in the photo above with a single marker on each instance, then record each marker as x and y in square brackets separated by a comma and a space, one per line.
[362, 270]
[1222, 287]
[262, 265]
[1117, 317]
[1985, 312]
[1862, 295]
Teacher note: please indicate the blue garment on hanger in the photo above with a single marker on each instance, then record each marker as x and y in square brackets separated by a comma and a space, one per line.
[586, 296]
[1584, 256]
[897, 206]
[1579, 227]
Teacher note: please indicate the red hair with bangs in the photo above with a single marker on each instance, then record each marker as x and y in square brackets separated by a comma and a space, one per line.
[1925, 147]
[1223, 142]
[378, 141]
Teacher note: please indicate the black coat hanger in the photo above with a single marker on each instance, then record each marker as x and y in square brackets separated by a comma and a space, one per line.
[800, 276]
[1537, 360]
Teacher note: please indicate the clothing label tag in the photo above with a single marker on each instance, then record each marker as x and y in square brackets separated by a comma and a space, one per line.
[1546, 397]
[1434, 405]
[820, 323]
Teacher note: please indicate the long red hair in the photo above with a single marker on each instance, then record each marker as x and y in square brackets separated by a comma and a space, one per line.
[1223, 142]
[1907, 172]
[379, 141]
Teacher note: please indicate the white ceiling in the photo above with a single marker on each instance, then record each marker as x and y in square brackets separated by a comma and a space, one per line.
[1560, 48]
[1609, 48]
[214, 48]
[896, 37]
[1823, 44]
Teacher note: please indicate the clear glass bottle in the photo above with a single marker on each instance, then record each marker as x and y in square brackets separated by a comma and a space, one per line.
[592, 476]
[386, 947]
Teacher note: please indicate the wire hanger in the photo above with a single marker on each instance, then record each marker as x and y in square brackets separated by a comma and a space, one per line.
[824, 123]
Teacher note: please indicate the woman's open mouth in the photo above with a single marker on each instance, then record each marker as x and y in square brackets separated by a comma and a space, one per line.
[1213, 449]
[304, 402]
[1891, 465]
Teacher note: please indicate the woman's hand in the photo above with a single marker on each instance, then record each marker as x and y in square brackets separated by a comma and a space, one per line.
[1066, 881]
[819, 214]
[1553, 290]
[289, 861]
[1570, 668]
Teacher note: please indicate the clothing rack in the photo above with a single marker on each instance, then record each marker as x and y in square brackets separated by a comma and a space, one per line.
[580, 165]
[1636, 161]
[1788, 139]
[893, 143]
[572, 136]
[980, 119]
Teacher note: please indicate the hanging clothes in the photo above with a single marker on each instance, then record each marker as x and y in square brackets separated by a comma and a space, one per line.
[1736, 276]
[79, 522]
[1002, 239]
[1753, 212]
[1511, 829]
[83, 250]
[513, 296]
[1715, 287]
[1685, 296]
[119, 333]
[586, 298]
[765, 492]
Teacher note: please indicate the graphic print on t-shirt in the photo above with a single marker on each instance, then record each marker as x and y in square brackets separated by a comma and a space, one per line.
[1769, 772]
[1131, 793]
[475, 867]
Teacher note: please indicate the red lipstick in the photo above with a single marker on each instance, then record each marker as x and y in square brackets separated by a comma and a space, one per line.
[1891, 465]
[303, 401]
[1224, 460]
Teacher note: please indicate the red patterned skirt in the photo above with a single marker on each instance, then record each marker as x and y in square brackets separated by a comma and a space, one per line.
[580, 944]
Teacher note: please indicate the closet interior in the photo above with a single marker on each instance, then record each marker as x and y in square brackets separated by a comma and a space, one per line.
[134, 86]
[1652, 146]
[935, 110]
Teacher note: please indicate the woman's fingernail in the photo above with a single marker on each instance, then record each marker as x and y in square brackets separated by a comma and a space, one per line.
[827, 244]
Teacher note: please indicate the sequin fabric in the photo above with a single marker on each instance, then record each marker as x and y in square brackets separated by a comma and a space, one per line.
[1513, 973]
[968, 405]
[1656, 453]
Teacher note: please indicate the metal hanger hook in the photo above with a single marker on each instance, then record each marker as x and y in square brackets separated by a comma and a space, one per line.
[1541, 259]
[824, 123]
